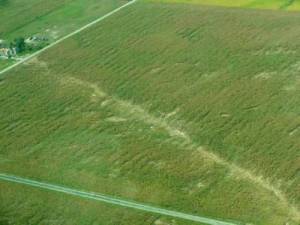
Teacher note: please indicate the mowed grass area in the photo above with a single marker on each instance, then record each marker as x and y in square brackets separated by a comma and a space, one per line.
[187, 107]
[52, 19]
[265, 4]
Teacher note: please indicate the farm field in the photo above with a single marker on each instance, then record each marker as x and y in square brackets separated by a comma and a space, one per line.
[265, 4]
[55, 208]
[52, 19]
[188, 107]
[5, 63]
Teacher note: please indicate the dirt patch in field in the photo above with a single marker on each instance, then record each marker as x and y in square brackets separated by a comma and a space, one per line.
[276, 51]
[294, 131]
[115, 119]
[106, 102]
[280, 51]
[225, 115]
[171, 114]
[162, 222]
[212, 75]
[155, 70]
[264, 75]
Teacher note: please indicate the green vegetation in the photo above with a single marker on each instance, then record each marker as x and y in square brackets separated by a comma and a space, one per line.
[52, 19]
[56, 208]
[58, 17]
[265, 4]
[6, 63]
[190, 108]
[19, 44]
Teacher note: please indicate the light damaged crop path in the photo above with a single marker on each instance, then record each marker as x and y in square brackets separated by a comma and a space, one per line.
[137, 112]
[185, 107]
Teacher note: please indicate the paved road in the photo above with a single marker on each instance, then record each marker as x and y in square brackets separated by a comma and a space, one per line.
[112, 200]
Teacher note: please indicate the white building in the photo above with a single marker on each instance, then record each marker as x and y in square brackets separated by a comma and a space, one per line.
[8, 52]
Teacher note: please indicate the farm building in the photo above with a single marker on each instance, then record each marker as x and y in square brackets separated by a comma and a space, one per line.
[7, 52]
[35, 39]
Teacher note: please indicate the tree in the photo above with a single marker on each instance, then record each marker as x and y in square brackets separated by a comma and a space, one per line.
[4, 2]
[20, 44]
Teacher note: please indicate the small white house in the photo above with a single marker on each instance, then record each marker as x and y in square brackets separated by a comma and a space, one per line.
[8, 52]
[30, 39]
[35, 39]
[4, 51]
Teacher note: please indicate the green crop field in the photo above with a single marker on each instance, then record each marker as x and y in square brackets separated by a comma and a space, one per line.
[58, 17]
[187, 107]
[52, 19]
[260, 4]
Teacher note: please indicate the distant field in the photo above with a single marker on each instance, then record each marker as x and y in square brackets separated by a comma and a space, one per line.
[58, 17]
[186, 107]
[262, 4]
[52, 19]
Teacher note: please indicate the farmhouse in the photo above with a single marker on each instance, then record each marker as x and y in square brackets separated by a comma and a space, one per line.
[8, 52]
[34, 39]
[4, 51]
